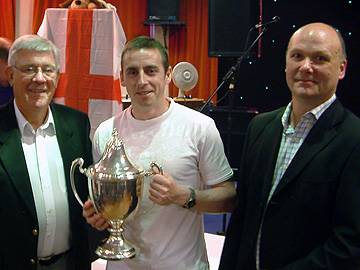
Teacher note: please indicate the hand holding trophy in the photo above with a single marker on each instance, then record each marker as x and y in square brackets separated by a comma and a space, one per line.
[115, 190]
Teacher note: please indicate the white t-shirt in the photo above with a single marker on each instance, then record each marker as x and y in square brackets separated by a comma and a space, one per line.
[188, 146]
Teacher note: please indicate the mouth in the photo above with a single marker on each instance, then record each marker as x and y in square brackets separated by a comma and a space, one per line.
[144, 93]
[37, 90]
[305, 82]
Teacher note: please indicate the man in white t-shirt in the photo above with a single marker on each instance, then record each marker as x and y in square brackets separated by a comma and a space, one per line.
[168, 228]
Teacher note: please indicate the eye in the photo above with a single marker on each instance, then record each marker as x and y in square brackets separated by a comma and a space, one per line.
[151, 70]
[29, 69]
[296, 56]
[131, 72]
[321, 59]
[49, 70]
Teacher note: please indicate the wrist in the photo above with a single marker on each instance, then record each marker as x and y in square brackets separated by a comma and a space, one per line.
[191, 199]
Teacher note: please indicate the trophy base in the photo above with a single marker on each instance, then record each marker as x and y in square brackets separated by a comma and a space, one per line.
[115, 248]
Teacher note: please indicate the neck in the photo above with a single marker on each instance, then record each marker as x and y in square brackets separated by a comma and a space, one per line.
[141, 112]
[35, 118]
[300, 107]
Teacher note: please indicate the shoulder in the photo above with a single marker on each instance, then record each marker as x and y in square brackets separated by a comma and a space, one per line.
[349, 127]
[105, 128]
[109, 124]
[268, 117]
[341, 119]
[191, 116]
[65, 110]
[265, 120]
[64, 113]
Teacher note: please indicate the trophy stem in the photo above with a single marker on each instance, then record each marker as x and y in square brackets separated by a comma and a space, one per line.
[116, 247]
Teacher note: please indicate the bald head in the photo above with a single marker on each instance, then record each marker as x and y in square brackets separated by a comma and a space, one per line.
[315, 62]
[322, 31]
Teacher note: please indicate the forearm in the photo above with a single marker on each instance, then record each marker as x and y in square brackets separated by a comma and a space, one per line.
[219, 198]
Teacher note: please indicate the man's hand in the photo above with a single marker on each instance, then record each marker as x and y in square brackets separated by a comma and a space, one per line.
[164, 190]
[94, 219]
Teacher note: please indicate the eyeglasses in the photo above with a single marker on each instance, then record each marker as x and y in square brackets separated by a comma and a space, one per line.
[48, 71]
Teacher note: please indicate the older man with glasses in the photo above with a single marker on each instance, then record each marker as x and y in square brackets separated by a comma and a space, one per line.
[43, 225]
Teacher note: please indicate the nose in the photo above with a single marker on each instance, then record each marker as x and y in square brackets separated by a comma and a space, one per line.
[39, 76]
[142, 78]
[306, 65]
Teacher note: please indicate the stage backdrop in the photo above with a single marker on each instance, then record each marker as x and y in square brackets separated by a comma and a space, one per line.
[90, 43]
[186, 43]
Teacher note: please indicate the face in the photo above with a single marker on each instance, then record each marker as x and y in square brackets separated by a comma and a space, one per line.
[314, 63]
[34, 79]
[145, 79]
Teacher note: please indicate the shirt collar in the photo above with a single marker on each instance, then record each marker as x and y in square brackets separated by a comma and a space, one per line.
[316, 112]
[25, 126]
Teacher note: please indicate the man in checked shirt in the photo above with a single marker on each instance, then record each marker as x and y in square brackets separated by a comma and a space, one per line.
[298, 192]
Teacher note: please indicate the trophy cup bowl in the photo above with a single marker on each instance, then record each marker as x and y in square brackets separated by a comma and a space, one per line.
[115, 187]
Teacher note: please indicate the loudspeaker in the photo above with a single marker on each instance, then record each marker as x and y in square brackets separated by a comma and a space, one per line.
[163, 10]
[232, 126]
[229, 23]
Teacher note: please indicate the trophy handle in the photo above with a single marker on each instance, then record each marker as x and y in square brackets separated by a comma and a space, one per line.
[155, 168]
[80, 162]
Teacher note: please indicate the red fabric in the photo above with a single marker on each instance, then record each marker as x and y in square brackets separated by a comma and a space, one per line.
[76, 84]
[188, 43]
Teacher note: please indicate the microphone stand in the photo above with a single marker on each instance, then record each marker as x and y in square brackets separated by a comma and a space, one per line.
[230, 76]
[235, 67]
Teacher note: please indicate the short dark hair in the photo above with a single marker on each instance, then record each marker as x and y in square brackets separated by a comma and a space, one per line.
[145, 42]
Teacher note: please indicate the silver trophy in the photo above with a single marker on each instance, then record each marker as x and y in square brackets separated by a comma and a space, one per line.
[115, 187]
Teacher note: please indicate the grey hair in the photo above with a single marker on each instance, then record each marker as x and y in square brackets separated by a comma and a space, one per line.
[33, 43]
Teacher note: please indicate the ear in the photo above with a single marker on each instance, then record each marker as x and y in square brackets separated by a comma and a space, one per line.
[168, 75]
[57, 79]
[9, 75]
[343, 67]
[122, 79]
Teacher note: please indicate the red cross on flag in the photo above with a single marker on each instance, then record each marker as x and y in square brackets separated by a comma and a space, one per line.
[90, 43]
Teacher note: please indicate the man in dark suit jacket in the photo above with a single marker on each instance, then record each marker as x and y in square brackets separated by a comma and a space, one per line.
[298, 192]
[41, 222]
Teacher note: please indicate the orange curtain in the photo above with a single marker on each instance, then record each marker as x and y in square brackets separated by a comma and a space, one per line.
[39, 10]
[186, 43]
[190, 43]
[7, 19]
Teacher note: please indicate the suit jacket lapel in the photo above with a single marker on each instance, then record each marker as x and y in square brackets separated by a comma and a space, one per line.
[67, 143]
[12, 157]
[319, 137]
[64, 136]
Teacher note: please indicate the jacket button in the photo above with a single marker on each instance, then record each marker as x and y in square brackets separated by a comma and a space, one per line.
[34, 232]
[32, 261]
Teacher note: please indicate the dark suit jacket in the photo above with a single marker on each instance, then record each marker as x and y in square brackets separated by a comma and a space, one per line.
[313, 219]
[17, 207]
